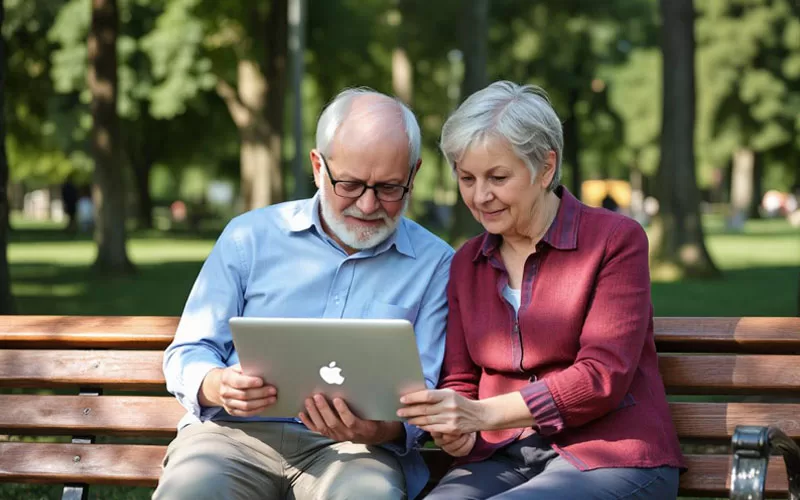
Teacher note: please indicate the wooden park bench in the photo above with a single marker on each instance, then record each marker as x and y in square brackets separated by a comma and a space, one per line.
[100, 387]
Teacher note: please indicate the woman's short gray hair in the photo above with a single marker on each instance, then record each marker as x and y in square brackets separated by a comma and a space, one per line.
[519, 114]
[335, 113]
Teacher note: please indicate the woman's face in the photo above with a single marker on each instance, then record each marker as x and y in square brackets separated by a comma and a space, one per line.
[496, 186]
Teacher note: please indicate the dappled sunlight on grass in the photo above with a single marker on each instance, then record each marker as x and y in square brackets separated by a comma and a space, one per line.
[760, 274]
[51, 273]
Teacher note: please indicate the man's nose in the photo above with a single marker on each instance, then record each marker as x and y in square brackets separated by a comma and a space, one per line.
[368, 203]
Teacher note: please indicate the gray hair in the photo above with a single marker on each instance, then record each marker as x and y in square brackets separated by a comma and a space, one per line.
[335, 113]
[519, 114]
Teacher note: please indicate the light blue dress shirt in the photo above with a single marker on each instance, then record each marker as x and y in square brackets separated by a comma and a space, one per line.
[278, 262]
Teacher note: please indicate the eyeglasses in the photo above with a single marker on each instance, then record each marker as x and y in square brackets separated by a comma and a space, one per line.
[354, 189]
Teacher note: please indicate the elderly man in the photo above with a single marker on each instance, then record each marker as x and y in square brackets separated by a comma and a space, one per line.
[348, 252]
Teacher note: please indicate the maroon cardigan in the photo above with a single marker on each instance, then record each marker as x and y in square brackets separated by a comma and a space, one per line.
[582, 351]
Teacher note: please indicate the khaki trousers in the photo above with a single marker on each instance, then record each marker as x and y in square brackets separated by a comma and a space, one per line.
[274, 460]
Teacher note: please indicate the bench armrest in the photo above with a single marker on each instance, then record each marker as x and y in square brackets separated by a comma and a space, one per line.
[752, 446]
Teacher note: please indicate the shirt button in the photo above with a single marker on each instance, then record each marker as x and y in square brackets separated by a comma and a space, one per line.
[533, 378]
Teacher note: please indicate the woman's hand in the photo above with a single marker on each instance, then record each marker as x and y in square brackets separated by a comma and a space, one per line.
[442, 411]
[456, 445]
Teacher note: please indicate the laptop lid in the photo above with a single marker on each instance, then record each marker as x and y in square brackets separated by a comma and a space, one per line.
[369, 363]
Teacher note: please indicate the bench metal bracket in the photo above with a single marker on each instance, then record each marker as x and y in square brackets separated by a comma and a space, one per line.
[80, 491]
[752, 446]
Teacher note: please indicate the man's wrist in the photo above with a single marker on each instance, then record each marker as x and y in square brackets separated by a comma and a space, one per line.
[208, 395]
[393, 433]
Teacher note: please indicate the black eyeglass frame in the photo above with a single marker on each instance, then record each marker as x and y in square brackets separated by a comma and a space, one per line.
[364, 186]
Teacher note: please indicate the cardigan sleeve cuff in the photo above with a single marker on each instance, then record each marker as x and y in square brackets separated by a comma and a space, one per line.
[543, 408]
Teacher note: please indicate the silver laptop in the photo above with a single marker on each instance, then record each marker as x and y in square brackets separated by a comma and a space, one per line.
[369, 363]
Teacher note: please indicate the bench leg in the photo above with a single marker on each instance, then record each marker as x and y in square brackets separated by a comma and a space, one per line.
[752, 446]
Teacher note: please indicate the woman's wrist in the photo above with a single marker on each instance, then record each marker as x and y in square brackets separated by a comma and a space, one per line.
[507, 411]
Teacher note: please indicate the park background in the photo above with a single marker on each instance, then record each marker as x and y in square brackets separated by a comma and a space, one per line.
[173, 116]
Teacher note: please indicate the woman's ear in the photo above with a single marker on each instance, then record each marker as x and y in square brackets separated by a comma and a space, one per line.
[549, 170]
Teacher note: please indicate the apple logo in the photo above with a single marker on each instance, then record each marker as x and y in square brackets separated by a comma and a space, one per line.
[331, 374]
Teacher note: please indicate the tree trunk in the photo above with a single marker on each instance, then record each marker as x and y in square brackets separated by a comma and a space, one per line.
[572, 143]
[679, 245]
[141, 174]
[741, 187]
[110, 234]
[257, 110]
[141, 153]
[276, 63]
[474, 35]
[6, 300]
[758, 186]
[402, 70]
[297, 49]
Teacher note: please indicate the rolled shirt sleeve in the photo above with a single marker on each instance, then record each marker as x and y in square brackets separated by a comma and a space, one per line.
[203, 340]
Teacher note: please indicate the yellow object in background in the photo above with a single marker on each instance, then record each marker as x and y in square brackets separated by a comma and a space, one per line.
[593, 192]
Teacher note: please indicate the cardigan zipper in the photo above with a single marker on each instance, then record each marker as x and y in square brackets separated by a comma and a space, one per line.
[518, 333]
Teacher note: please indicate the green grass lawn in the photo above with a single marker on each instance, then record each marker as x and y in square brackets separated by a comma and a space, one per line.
[51, 274]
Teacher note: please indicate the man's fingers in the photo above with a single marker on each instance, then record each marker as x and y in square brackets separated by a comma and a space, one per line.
[331, 420]
[227, 392]
[241, 381]
[345, 415]
[307, 422]
[252, 405]
[313, 414]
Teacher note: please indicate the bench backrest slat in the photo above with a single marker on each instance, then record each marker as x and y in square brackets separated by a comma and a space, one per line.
[131, 465]
[756, 334]
[129, 370]
[158, 416]
[151, 416]
[736, 374]
[141, 370]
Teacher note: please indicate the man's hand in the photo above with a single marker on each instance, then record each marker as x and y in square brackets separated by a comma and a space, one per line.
[456, 445]
[239, 394]
[340, 424]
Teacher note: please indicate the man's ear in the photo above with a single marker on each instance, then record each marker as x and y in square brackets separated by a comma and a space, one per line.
[316, 166]
[414, 175]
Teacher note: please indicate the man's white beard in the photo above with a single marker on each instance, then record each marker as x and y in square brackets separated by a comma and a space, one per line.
[355, 235]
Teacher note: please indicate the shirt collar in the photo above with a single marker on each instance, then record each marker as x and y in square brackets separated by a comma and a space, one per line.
[307, 216]
[562, 233]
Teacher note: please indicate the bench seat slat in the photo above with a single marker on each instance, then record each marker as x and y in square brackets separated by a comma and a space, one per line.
[140, 465]
[153, 416]
[132, 370]
[146, 416]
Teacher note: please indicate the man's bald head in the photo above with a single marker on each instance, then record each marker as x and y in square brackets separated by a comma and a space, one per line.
[363, 117]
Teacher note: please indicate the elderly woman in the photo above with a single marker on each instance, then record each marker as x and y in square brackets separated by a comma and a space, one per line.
[550, 386]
